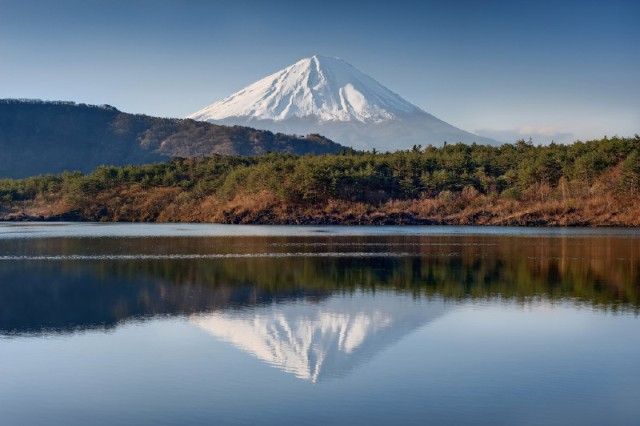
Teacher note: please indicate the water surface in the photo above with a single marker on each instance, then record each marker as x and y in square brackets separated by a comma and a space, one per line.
[202, 324]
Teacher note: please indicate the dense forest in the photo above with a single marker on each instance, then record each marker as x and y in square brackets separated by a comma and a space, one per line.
[50, 137]
[585, 183]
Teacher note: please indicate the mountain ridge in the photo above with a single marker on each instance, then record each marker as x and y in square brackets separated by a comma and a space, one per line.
[53, 136]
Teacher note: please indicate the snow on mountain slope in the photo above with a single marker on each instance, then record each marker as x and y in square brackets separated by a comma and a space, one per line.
[329, 96]
[327, 88]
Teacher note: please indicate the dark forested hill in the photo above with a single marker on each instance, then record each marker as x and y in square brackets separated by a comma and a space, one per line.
[47, 137]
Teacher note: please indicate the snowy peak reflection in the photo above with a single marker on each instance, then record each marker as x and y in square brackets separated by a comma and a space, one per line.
[328, 339]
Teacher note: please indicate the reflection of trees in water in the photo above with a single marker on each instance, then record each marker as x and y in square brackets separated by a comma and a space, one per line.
[601, 271]
[64, 295]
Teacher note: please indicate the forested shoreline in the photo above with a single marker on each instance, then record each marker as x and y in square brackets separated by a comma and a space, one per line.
[594, 183]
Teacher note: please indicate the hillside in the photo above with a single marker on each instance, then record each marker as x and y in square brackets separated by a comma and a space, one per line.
[49, 137]
[595, 183]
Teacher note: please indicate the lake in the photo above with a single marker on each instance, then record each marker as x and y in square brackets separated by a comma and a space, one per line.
[221, 324]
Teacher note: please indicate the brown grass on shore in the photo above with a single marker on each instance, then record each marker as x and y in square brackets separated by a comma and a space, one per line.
[543, 206]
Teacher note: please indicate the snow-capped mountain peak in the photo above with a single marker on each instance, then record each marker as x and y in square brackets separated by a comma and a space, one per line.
[320, 87]
[329, 96]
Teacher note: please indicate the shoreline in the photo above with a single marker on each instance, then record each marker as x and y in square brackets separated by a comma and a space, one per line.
[352, 223]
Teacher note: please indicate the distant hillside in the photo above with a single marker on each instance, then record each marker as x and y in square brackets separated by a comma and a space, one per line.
[47, 137]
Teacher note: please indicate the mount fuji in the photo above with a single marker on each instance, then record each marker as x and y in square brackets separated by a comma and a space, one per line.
[329, 96]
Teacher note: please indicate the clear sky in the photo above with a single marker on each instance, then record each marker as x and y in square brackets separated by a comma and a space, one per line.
[556, 69]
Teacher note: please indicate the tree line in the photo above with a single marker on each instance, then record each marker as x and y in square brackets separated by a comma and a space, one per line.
[517, 171]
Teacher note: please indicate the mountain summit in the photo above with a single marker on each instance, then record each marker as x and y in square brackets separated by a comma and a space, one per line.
[329, 96]
[328, 89]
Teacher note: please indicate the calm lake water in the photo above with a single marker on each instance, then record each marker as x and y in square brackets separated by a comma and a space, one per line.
[213, 324]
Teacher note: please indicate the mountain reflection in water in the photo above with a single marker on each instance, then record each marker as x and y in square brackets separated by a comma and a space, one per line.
[327, 339]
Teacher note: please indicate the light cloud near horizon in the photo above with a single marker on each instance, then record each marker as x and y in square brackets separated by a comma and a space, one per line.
[538, 134]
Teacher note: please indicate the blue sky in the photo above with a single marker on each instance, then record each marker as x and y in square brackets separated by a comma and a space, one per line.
[551, 70]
